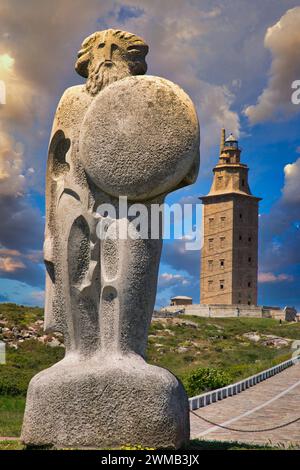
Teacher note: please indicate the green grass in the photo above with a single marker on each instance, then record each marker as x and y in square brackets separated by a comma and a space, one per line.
[218, 343]
[22, 364]
[18, 315]
[195, 444]
[11, 445]
[209, 342]
[198, 444]
[11, 415]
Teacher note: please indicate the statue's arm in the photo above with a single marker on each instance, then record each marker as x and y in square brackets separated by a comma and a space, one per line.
[60, 142]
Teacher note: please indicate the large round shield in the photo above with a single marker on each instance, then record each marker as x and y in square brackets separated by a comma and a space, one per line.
[139, 137]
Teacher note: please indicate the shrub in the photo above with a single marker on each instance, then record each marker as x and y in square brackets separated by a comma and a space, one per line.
[205, 379]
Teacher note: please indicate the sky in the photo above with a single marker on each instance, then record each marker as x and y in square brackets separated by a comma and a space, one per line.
[236, 59]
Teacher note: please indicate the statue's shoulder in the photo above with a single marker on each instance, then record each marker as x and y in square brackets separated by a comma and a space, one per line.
[72, 95]
[71, 108]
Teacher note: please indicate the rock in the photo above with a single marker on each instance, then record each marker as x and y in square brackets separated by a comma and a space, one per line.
[42, 339]
[25, 334]
[169, 332]
[54, 343]
[255, 337]
[182, 349]
[275, 342]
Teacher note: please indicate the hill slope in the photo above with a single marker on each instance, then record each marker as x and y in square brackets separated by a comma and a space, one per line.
[238, 346]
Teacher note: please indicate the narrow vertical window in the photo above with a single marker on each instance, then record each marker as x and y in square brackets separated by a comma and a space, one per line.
[222, 242]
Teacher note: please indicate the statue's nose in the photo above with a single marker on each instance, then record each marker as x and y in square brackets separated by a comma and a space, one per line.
[108, 52]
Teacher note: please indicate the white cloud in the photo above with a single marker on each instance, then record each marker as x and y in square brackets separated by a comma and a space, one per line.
[271, 277]
[283, 41]
[175, 53]
[38, 296]
[11, 165]
[9, 264]
[170, 280]
[291, 189]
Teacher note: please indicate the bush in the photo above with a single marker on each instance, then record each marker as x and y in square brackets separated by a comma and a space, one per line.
[205, 379]
[13, 382]
[22, 364]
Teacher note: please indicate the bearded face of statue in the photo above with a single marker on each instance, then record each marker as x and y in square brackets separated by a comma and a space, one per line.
[110, 55]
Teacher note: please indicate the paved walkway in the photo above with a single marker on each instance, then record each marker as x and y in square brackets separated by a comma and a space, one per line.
[266, 405]
[9, 438]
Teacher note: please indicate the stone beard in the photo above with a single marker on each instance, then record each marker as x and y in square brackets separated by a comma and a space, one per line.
[101, 75]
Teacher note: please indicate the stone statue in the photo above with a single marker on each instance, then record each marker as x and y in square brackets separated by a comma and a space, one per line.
[120, 134]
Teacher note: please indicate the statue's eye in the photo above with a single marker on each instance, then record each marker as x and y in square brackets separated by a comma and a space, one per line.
[133, 51]
[101, 45]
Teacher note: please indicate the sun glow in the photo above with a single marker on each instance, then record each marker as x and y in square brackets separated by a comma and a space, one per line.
[6, 62]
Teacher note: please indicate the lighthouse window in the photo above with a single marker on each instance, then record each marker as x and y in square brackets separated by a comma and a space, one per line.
[210, 265]
[243, 182]
[219, 181]
[222, 284]
[222, 242]
[222, 263]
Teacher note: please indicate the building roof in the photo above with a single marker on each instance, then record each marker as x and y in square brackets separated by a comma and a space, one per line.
[231, 138]
[181, 297]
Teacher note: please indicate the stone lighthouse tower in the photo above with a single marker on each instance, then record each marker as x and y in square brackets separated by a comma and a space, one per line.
[230, 224]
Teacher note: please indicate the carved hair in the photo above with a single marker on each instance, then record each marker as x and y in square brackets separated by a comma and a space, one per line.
[85, 54]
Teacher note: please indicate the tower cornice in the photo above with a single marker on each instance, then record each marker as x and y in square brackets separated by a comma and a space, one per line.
[229, 195]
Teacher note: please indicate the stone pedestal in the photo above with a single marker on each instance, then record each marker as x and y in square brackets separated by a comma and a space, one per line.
[106, 404]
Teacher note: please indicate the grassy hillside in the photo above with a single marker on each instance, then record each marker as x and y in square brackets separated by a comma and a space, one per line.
[238, 346]
[182, 344]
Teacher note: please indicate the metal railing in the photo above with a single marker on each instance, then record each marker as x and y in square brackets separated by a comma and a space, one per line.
[221, 393]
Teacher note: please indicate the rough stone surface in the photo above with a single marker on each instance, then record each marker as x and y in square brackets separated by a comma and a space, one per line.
[148, 131]
[100, 295]
[104, 403]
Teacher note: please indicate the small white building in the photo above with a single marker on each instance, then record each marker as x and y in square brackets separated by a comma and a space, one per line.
[181, 300]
